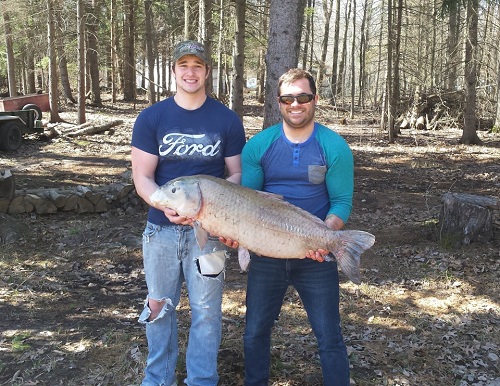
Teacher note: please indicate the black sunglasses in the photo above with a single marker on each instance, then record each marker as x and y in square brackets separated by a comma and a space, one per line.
[301, 99]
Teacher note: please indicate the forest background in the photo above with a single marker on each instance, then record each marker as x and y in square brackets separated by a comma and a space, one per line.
[390, 56]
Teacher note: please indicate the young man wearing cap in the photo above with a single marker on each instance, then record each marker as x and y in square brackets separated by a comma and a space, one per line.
[187, 134]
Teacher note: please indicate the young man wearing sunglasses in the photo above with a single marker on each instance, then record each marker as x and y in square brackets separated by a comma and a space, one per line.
[311, 166]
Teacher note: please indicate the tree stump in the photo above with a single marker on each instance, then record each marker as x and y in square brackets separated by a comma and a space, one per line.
[466, 218]
[7, 185]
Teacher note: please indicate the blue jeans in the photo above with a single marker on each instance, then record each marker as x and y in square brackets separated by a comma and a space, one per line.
[318, 287]
[170, 258]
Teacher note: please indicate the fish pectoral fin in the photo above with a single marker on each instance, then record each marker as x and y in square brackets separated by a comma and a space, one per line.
[200, 234]
[243, 258]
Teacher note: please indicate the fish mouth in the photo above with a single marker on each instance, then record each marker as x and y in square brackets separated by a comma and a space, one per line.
[154, 197]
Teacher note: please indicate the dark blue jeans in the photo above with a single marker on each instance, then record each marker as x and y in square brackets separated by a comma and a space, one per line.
[318, 287]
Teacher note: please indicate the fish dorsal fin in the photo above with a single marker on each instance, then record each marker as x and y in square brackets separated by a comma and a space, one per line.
[271, 195]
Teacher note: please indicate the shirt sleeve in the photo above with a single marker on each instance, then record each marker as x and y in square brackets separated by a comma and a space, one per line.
[339, 176]
[236, 137]
[144, 134]
[252, 173]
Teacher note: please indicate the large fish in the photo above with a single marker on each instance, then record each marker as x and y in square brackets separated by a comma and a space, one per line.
[260, 223]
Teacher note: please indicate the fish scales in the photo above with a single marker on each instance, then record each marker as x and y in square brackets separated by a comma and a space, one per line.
[263, 224]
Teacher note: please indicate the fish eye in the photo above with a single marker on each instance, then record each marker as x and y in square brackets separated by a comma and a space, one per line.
[173, 190]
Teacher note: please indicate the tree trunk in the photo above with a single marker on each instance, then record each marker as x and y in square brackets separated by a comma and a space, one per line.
[113, 46]
[129, 76]
[469, 134]
[91, 17]
[283, 50]
[343, 54]
[335, 56]
[148, 12]
[327, 11]
[353, 61]
[396, 94]
[362, 52]
[307, 37]
[80, 36]
[11, 66]
[261, 78]
[51, 39]
[30, 59]
[61, 54]
[188, 31]
[239, 60]
[379, 66]
[452, 48]
[220, 51]
[389, 87]
[205, 32]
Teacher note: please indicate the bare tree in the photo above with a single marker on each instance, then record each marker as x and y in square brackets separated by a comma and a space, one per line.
[129, 76]
[148, 12]
[61, 53]
[343, 54]
[238, 59]
[309, 14]
[327, 12]
[205, 31]
[283, 50]
[92, 51]
[53, 91]
[391, 108]
[353, 62]
[335, 55]
[452, 48]
[80, 35]
[113, 48]
[10, 54]
[220, 51]
[469, 134]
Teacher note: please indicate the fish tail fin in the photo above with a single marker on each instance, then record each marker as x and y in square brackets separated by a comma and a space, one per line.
[348, 251]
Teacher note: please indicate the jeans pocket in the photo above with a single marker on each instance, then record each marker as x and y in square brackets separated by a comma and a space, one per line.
[149, 231]
[212, 264]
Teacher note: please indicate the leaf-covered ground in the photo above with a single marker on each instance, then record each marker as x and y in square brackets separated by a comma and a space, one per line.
[72, 286]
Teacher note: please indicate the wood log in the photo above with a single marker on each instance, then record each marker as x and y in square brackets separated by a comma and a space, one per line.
[119, 190]
[84, 191]
[73, 129]
[420, 123]
[4, 205]
[71, 203]
[51, 133]
[7, 184]
[80, 199]
[41, 205]
[101, 206]
[94, 198]
[95, 129]
[16, 205]
[58, 199]
[84, 206]
[466, 218]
